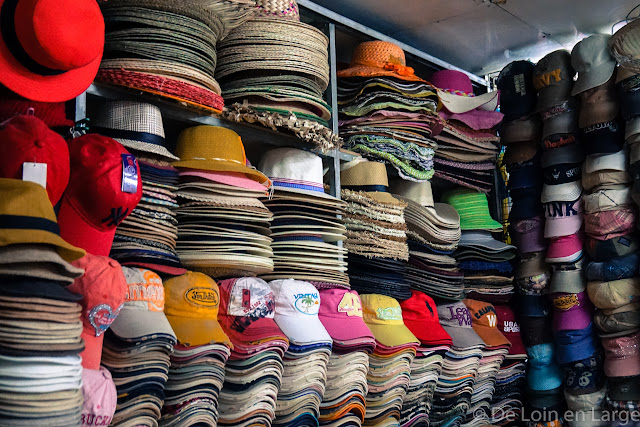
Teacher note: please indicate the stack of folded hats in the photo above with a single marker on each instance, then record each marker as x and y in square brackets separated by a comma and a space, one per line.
[389, 373]
[223, 227]
[296, 313]
[254, 369]
[343, 402]
[433, 232]
[304, 229]
[468, 144]
[183, 40]
[484, 321]
[147, 237]
[485, 262]
[137, 348]
[460, 366]
[388, 112]
[41, 326]
[507, 401]
[420, 315]
[197, 362]
[376, 231]
[278, 69]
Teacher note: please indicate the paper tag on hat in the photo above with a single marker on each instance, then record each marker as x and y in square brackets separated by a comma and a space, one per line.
[35, 172]
[129, 174]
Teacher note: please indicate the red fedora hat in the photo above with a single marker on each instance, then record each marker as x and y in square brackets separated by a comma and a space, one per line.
[50, 50]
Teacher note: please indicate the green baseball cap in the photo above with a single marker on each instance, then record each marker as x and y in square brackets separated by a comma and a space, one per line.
[473, 209]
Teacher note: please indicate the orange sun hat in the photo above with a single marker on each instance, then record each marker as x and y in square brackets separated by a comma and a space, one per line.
[378, 58]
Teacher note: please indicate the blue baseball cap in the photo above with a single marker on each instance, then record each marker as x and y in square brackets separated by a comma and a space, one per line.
[525, 177]
[574, 345]
[585, 376]
[543, 372]
[533, 305]
[616, 268]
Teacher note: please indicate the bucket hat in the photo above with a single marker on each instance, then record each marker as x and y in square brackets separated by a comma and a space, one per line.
[28, 217]
[50, 51]
[593, 62]
[623, 45]
[383, 316]
[456, 93]
[370, 178]
[543, 373]
[133, 124]
[473, 209]
[196, 151]
[553, 79]
[421, 193]
[378, 58]
[517, 94]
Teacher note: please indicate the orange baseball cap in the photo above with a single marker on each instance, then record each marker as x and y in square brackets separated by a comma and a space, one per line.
[484, 321]
[191, 306]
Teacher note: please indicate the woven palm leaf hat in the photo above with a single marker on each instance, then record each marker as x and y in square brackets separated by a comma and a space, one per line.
[233, 13]
[163, 47]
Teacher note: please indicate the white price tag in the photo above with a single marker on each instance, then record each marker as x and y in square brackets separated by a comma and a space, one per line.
[35, 172]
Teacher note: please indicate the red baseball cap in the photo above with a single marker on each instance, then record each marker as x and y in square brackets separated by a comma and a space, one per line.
[510, 328]
[55, 115]
[95, 203]
[420, 315]
[341, 314]
[25, 138]
[50, 50]
[103, 288]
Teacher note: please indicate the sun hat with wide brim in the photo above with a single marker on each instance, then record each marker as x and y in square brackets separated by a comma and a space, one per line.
[379, 58]
[624, 46]
[50, 51]
[368, 177]
[456, 93]
[473, 209]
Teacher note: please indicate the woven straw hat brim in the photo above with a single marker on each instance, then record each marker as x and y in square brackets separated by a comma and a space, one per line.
[148, 148]
[232, 13]
[290, 103]
[370, 71]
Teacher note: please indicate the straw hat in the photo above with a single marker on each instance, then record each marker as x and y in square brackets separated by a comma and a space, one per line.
[378, 58]
[456, 93]
[625, 46]
[370, 178]
[284, 9]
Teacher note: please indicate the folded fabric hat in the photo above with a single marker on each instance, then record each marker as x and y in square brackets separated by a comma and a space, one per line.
[510, 328]
[561, 192]
[195, 150]
[568, 280]
[135, 125]
[341, 314]
[484, 319]
[456, 93]
[104, 187]
[623, 267]
[517, 94]
[100, 397]
[622, 358]
[584, 376]
[617, 161]
[618, 321]
[592, 60]
[573, 345]
[570, 153]
[142, 314]
[383, 316]
[103, 288]
[473, 209]
[26, 144]
[28, 217]
[565, 249]
[562, 173]
[455, 318]
[609, 224]
[571, 311]
[528, 235]
[420, 315]
[603, 137]
[533, 305]
[607, 199]
[296, 312]
[553, 79]
[543, 373]
[368, 177]
[562, 218]
[192, 301]
[378, 58]
[614, 294]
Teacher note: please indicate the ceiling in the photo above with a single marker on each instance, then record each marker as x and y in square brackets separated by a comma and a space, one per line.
[482, 36]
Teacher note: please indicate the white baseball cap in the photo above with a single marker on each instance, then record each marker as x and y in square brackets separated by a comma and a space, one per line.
[616, 161]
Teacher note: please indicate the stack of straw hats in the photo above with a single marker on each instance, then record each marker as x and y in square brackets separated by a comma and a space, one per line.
[164, 48]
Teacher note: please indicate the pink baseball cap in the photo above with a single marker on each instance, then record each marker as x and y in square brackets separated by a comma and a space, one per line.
[103, 288]
[527, 235]
[565, 249]
[562, 218]
[571, 311]
[235, 179]
[341, 314]
[100, 397]
[622, 358]
[606, 225]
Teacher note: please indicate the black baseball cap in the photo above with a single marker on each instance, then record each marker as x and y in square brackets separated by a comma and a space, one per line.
[517, 93]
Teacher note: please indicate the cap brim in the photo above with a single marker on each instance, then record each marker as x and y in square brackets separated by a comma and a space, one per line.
[392, 335]
[492, 337]
[192, 331]
[258, 329]
[303, 330]
[463, 104]
[464, 337]
[75, 230]
[29, 287]
[342, 329]
[132, 323]
[434, 333]
[597, 76]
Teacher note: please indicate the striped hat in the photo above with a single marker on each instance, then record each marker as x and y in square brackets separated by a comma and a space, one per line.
[473, 209]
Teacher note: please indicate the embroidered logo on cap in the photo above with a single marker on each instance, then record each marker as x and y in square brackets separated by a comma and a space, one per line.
[566, 302]
[461, 314]
[251, 299]
[543, 80]
[389, 313]
[202, 297]
[350, 304]
[150, 291]
[307, 303]
[511, 326]
[102, 316]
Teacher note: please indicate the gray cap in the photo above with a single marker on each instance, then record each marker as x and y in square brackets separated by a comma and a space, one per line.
[553, 79]
[570, 153]
[593, 62]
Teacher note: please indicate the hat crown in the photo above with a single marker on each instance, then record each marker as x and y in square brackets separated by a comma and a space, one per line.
[60, 34]
[145, 290]
[483, 314]
[193, 294]
[452, 81]
[25, 198]
[247, 297]
[381, 310]
[419, 192]
[365, 173]
[377, 52]
[340, 303]
[292, 165]
[420, 307]
[454, 315]
[130, 116]
[554, 70]
[210, 142]
[591, 52]
[295, 298]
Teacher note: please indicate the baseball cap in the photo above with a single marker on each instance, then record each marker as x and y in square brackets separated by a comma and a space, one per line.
[535, 330]
[522, 152]
[142, 314]
[247, 307]
[571, 311]
[617, 161]
[607, 199]
[584, 376]
[556, 140]
[624, 388]
[296, 313]
[525, 203]
[565, 123]
[527, 235]
[573, 345]
[341, 314]
[599, 104]
[484, 321]
[615, 293]
[531, 264]
[571, 281]
[420, 315]
[383, 316]
[543, 373]
[104, 187]
[622, 358]
[608, 224]
[553, 79]
[103, 288]
[618, 321]
[570, 153]
[603, 250]
[100, 397]
[632, 128]
[562, 218]
[623, 267]
[25, 143]
[590, 57]
[605, 178]
[524, 176]
[533, 285]
[586, 402]
[510, 328]
[562, 173]
[517, 94]
[455, 318]
[603, 138]
[567, 192]
[532, 305]
[191, 307]
[565, 249]
[515, 131]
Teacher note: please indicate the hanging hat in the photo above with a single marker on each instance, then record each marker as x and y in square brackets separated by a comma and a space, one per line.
[473, 209]
[624, 46]
[370, 178]
[456, 93]
[379, 58]
[593, 62]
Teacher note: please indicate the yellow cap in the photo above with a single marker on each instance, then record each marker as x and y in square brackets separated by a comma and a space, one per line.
[383, 316]
[191, 306]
